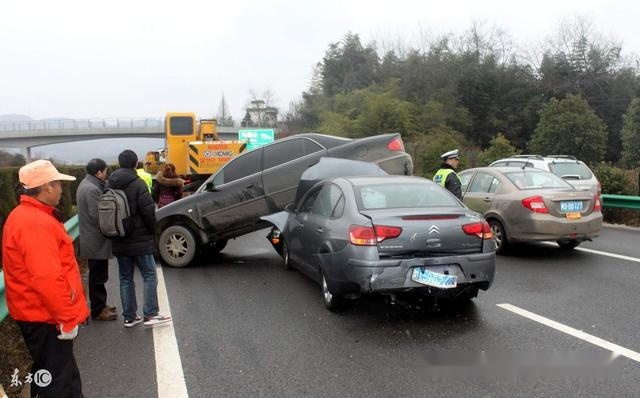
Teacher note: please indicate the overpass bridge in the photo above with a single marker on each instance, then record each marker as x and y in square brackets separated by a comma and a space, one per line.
[28, 134]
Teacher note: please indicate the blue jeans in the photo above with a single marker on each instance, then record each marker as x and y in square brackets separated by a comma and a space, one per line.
[147, 266]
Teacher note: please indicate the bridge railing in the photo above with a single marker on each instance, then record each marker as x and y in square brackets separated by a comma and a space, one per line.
[71, 124]
[72, 229]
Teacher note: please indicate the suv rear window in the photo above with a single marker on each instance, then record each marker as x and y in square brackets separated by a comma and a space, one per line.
[570, 169]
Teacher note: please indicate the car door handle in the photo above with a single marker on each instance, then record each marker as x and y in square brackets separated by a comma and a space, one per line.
[319, 230]
[250, 186]
[487, 199]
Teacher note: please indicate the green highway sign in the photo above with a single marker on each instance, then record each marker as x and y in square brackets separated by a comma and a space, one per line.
[256, 138]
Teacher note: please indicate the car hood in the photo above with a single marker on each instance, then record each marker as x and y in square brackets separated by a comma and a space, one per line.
[333, 167]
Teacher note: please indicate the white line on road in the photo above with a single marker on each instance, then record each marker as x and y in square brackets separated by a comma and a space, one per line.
[584, 249]
[169, 374]
[616, 349]
[620, 256]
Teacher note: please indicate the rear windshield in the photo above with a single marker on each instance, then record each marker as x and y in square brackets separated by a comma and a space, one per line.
[392, 196]
[570, 169]
[536, 180]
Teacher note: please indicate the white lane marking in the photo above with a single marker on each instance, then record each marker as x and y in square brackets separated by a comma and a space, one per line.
[616, 349]
[620, 256]
[584, 249]
[169, 374]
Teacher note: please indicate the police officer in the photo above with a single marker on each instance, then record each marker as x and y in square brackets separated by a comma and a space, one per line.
[446, 175]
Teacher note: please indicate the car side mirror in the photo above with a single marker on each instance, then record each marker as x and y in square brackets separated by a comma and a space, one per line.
[290, 207]
[210, 187]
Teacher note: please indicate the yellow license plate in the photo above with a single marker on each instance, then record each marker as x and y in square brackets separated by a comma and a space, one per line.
[573, 216]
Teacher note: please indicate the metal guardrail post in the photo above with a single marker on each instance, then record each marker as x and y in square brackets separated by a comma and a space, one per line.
[621, 201]
[4, 311]
[72, 229]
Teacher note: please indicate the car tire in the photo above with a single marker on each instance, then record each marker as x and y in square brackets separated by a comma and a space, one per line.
[286, 260]
[499, 236]
[568, 244]
[177, 246]
[331, 301]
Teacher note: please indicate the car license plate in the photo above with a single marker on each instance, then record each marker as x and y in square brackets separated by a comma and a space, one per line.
[573, 216]
[430, 278]
[571, 205]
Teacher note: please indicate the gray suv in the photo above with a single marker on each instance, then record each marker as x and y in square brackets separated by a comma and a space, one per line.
[572, 170]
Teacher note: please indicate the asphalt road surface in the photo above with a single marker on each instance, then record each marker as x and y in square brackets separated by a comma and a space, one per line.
[243, 326]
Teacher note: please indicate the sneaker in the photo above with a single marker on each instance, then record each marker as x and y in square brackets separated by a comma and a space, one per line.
[105, 315]
[132, 323]
[156, 320]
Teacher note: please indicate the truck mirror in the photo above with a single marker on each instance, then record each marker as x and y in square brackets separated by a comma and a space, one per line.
[290, 207]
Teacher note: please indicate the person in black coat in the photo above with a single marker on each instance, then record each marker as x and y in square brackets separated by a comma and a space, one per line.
[136, 248]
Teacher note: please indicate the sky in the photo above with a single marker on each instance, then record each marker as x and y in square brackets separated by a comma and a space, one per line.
[87, 59]
[142, 58]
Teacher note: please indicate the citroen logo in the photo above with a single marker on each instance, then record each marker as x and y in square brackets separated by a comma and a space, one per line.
[434, 230]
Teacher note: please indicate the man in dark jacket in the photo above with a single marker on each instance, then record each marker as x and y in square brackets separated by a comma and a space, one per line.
[136, 248]
[93, 245]
[446, 175]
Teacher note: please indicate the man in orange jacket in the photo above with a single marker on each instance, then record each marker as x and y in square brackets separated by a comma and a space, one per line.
[42, 281]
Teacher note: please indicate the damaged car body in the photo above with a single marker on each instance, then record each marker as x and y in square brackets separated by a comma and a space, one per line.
[256, 183]
[385, 234]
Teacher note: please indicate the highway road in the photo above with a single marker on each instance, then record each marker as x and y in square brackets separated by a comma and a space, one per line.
[243, 326]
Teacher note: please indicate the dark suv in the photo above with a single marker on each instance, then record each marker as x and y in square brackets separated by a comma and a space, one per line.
[257, 183]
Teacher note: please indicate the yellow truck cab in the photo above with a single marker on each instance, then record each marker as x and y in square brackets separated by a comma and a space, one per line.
[193, 147]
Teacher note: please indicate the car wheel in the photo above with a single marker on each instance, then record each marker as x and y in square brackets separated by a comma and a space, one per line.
[499, 236]
[568, 244]
[177, 246]
[331, 301]
[286, 260]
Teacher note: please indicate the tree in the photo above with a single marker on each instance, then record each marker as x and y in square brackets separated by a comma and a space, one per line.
[11, 159]
[349, 66]
[499, 147]
[631, 135]
[570, 126]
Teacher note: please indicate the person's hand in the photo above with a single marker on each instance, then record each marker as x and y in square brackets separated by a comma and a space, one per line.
[68, 335]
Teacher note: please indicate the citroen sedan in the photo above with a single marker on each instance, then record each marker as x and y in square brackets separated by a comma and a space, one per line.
[386, 234]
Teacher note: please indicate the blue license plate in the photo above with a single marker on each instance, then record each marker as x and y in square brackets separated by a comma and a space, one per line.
[430, 278]
[571, 205]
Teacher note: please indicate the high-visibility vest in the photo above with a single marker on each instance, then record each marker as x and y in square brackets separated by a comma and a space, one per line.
[146, 177]
[441, 176]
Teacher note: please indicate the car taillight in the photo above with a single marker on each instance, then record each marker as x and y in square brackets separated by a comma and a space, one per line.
[535, 204]
[597, 206]
[385, 232]
[362, 236]
[480, 229]
[368, 236]
[396, 144]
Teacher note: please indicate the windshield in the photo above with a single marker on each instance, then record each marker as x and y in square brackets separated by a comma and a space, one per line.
[570, 168]
[403, 195]
[536, 180]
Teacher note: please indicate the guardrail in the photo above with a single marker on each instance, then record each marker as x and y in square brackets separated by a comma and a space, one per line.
[65, 124]
[72, 229]
[621, 201]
